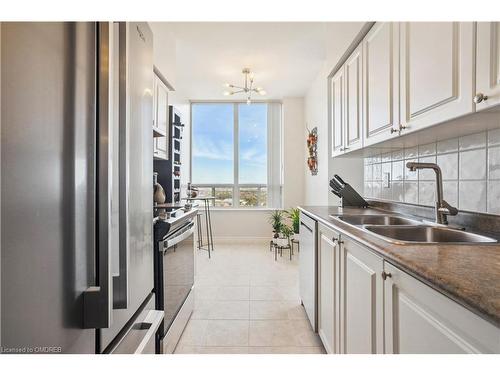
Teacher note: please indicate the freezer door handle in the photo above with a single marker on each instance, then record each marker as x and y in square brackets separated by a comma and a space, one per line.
[140, 338]
[98, 299]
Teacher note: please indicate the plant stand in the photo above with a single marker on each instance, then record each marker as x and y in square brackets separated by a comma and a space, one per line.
[295, 241]
[278, 248]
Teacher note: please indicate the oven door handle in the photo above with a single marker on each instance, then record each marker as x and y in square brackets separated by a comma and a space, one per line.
[180, 237]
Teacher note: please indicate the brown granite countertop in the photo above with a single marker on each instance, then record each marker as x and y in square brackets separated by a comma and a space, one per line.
[469, 274]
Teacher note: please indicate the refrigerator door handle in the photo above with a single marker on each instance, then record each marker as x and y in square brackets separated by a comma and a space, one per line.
[120, 281]
[98, 299]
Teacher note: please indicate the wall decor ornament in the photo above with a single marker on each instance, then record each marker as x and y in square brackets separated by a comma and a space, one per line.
[312, 144]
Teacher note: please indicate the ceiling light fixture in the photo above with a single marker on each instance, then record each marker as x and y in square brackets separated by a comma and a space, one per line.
[248, 89]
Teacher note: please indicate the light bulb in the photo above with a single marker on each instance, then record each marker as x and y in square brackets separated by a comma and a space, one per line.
[227, 93]
[248, 101]
[251, 76]
[227, 85]
[262, 92]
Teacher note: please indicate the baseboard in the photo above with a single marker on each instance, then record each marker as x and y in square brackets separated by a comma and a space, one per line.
[242, 239]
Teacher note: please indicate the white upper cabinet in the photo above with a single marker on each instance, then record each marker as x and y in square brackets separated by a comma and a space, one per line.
[346, 110]
[381, 82]
[437, 79]
[337, 116]
[353, 124]
[487, 92]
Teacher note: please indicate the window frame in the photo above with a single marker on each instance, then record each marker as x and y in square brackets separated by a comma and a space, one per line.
[236, 186]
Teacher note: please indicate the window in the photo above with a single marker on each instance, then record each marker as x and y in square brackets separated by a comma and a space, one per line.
[233, 158]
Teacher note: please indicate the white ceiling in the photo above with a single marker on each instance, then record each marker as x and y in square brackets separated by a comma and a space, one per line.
[285, 57]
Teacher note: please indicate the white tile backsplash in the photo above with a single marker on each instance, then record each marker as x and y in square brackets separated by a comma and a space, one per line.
[472, 141]
[411, 191]
[494, 137]
[450, 192]
[426, 193]
[449, 165]
[472, 195]
[429, 149]
[494, 197]
[450, 145]
[427, 174]
[494, 163]
[470, 166]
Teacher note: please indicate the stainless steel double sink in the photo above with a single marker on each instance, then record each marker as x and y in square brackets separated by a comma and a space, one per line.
[402, 230]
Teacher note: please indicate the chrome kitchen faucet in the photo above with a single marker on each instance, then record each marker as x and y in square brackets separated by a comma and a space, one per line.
[443, 208]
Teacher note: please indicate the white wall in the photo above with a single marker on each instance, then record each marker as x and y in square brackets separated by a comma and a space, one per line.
[316, 189]
[164, 53]
[294, 155]
[315, 108]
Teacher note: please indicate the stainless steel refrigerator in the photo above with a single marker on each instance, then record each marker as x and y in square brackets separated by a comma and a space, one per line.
[76, 188]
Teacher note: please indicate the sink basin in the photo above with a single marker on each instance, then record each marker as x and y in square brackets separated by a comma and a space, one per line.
[376, 220]
[426, 234]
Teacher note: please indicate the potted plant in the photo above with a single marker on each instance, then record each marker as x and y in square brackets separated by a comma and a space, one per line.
[276, 221]
[294, 215]
[285, 234]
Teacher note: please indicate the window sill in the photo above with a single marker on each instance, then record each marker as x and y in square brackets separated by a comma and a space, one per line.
[230, 209]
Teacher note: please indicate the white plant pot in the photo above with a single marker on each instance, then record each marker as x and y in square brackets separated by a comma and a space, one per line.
[275, 241]
[282, 242]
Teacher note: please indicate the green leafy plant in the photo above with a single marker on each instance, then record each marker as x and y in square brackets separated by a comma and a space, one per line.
[286, 231]
[276, 221]
[294, 215]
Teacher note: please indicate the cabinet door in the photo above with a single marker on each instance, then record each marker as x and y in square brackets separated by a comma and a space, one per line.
[437, 62]
[353, 100]
[361, 300]
[328, 258]
[488, 63]
[381, 82]
[419, 319]
[337, 113]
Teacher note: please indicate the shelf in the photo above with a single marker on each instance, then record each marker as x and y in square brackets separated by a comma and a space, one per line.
[157, 132]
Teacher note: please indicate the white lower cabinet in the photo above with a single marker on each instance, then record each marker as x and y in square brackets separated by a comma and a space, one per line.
[419, 319]
[367, 305]
[328, 288]
[361, 300]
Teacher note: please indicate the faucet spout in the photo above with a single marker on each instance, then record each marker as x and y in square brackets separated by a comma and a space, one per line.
[443, 208]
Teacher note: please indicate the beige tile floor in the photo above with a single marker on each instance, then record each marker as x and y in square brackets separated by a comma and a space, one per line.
[245, 302]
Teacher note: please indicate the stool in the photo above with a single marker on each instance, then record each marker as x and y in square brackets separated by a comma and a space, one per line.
[208, 222]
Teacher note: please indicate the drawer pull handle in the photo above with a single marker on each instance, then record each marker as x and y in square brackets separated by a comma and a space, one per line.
[385, 275]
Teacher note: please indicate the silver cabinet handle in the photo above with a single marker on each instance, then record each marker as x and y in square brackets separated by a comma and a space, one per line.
[98, 299]
[479, 97]
[337, 242]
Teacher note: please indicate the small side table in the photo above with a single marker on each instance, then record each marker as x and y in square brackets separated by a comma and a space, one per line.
[208, 221]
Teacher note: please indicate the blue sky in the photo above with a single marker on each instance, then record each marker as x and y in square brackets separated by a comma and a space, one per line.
[213, 140]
